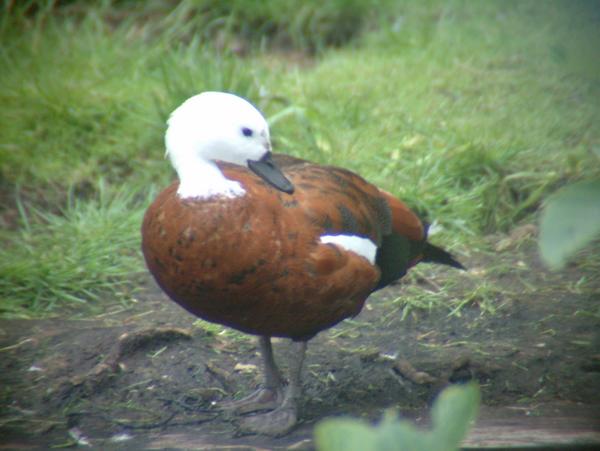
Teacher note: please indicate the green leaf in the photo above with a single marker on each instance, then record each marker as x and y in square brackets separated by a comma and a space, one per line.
[345, 434]
[570, 220]
[452, 413]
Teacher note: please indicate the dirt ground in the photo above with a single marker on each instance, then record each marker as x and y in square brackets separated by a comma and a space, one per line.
[146, 375]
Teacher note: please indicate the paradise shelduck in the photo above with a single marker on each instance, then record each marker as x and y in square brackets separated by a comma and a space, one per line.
[270, 244]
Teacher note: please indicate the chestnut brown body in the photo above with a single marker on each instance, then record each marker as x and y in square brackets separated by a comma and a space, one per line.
[256, 263]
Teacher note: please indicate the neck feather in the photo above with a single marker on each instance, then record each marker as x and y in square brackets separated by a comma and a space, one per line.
[203, 179]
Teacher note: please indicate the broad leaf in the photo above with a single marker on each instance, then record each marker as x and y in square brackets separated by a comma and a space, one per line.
[570, 220]
[452, 413]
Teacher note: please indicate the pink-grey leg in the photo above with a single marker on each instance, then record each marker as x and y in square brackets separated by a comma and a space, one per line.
[283, 418]
[271, 394]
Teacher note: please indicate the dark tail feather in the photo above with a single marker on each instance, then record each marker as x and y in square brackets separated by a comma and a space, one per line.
[436, 254]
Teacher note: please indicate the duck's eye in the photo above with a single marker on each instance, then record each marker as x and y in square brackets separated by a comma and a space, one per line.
[247, 131]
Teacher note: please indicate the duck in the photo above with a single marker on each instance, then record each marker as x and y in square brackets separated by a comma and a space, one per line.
[269, 244]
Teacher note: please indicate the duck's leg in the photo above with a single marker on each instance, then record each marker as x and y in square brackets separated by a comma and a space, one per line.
[283, 418]
[270, 395]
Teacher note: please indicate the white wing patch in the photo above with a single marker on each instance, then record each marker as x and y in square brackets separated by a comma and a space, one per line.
[357, 244]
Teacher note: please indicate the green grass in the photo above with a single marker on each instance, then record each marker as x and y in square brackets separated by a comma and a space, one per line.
[472, 112]
[68, 258]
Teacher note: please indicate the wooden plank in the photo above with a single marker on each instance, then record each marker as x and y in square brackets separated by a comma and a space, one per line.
[559, 426]
[556, 427]
[564, 427]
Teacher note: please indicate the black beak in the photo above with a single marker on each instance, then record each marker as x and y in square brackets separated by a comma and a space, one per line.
[266, 169]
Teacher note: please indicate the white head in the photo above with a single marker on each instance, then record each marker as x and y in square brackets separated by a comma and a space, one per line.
[216, 126]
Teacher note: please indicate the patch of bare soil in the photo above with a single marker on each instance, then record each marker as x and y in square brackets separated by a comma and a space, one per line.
[147, 376]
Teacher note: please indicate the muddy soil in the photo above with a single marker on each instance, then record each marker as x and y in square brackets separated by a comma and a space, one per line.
[145, 374]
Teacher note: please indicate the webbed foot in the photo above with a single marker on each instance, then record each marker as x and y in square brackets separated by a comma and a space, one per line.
[261, 399]
[275, 423]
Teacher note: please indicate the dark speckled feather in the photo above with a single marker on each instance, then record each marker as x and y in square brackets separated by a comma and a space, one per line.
[255, 262]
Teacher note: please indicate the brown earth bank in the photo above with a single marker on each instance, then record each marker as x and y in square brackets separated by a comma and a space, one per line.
[147, 375]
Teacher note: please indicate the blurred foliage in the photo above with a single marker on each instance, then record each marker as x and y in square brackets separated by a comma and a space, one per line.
[452, 414]
[570, 220]
[310, 25]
